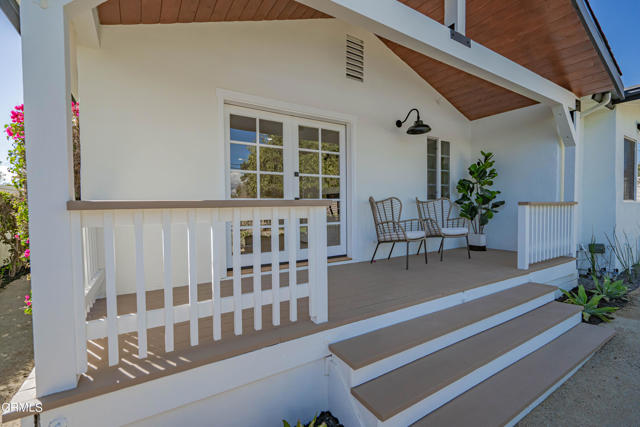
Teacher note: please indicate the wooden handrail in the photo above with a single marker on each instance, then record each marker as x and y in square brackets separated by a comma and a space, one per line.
[547, 203]
[90, 205]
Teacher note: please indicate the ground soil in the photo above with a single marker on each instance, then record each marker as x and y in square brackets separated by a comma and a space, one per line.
[606, 390]
[16, 339]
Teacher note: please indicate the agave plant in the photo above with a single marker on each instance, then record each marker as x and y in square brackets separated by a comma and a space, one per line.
[299, 424]
[589, 305]
[609, 289]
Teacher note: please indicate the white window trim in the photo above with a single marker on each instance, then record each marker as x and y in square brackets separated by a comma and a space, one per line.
[439, 166]
[225, 96]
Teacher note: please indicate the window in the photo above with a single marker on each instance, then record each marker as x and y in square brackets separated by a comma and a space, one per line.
[438, 168]
[630, 170]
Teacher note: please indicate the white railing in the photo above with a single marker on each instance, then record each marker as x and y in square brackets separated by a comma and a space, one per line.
[546, 230]
[93, 262]
[91, 259]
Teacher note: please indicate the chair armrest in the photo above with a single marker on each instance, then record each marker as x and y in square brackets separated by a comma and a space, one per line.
[391, 231]
[411, 224]
[457, 222]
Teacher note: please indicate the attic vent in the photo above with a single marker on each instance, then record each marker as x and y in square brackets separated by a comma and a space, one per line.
[355, 58]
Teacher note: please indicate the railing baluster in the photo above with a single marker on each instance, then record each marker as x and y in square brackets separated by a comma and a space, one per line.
[237, 274]
[275, 266]
[257, 270]
[215, 278]
[110, 278]
[192, 257]
[78, 291]
[293, 280]
[168, 279]
[141, 295]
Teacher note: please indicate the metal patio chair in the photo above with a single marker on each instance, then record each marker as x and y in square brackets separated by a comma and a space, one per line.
[437, 222]
[391, 229]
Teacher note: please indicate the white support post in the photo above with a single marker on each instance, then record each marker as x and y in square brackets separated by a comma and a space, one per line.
[47, 99]
[455, 14]
[318, 286]
[523, 236]
[80, 276]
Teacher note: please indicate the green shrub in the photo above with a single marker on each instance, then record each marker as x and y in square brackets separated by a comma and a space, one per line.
[299, 424]
[609, 289]
[589, 305]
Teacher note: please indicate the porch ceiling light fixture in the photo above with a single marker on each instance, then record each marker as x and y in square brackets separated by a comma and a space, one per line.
[418, 127]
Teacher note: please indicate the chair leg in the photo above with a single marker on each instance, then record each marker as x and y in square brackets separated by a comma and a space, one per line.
[407, 267]
[426, 260]
[420, 247]
[391, 251]
[374, 253]
[468, 250]
[441, 248]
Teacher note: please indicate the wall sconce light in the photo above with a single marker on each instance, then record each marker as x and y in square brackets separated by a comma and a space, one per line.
[418, 127]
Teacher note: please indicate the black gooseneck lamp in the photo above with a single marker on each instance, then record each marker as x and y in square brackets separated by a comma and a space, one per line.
[418, 127]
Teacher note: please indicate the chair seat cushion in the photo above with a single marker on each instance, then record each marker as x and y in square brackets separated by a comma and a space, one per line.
[454, 231]
[415, 235]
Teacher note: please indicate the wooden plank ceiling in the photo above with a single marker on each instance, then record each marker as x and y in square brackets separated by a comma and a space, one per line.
[173, 11]
[545, 36]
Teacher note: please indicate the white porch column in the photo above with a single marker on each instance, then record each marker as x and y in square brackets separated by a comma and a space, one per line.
[48, 135]
[455, 13]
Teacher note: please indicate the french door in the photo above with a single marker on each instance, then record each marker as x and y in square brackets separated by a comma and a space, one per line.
[276, 156]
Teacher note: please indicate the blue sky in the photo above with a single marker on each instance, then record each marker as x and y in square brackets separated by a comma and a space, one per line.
[618, 19]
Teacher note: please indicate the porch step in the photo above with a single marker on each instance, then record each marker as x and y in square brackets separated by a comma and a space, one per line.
[404, 395]
[370, 355]
[507, 396]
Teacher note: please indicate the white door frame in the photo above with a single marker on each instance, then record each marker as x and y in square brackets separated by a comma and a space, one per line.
[229, 97]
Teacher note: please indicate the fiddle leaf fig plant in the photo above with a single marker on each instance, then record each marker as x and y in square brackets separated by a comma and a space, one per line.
[477, 201]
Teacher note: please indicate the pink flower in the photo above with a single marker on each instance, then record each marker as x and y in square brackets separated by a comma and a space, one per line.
[17, 236]
[9, 132]
[26, 297]
[27, 253]
[26, 241]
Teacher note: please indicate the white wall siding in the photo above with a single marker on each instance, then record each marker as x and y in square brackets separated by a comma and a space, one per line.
[150, 130]
[528, 156]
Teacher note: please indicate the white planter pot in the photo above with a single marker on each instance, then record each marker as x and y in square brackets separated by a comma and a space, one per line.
[477, 242]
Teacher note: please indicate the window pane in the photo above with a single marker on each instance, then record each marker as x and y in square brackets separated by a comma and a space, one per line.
[309, 187]
[270, 132]
[243, 185]
[246, 241]
[304, 237]
[444, 148]
[308, 162]
[330, 188]
[331, 164]
[308, 137]
[333, 235]
[431, 162]
[431, 177]
[333, 212]
[444, 191]
[242, 128]
[431, 146]
[431, 191]
[330, 140]
[629, 167]
[270, 159]
[444, 163]
[242, 157]
[272, 186]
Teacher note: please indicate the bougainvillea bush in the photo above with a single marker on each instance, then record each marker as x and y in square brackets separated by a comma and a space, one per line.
[15, 233]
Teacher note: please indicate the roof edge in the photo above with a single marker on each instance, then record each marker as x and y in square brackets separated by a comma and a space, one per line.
[630, 94]
[591, 25]
[12, 10]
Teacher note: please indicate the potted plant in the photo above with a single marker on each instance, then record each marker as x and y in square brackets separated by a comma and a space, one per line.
[477, 201]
